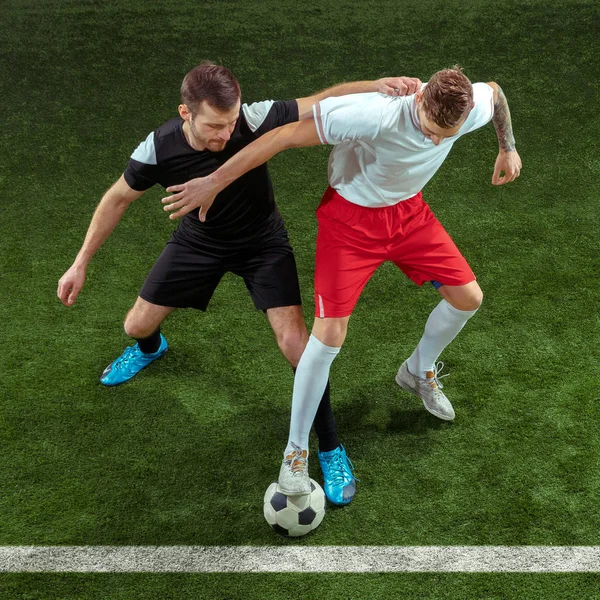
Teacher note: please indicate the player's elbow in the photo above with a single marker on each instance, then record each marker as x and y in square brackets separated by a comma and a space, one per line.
[120, 195]
[115, 201]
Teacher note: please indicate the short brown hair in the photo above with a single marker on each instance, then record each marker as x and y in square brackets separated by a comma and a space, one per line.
[448, 97]
[210, 83]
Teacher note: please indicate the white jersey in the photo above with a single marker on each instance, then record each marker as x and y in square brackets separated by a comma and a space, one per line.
[381, 156]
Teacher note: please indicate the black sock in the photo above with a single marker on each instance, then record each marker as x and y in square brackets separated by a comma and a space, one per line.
[150, 344]
[324, 423]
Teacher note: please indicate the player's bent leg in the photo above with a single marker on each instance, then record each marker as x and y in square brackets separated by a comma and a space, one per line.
[420, 373]
[142, 322]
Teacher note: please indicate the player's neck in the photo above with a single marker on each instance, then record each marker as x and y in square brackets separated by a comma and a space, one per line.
[190, 139]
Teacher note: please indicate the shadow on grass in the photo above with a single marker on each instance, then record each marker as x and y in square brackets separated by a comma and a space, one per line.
[386, 409]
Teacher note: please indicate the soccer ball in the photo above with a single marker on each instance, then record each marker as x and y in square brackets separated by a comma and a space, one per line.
[292, 516]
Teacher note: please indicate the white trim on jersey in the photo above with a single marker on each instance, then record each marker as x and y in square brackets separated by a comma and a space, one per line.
[146, 152]
[256, 113]
[319, 122]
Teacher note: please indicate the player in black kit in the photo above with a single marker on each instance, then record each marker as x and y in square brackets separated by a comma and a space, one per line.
[243, 233]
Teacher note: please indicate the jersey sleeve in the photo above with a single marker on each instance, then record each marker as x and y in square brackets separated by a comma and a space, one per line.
[353, 117]
[483, 111]
[269, 114]
[142, 171]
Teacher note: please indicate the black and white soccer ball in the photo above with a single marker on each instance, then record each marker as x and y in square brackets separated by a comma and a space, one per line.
[292, 516]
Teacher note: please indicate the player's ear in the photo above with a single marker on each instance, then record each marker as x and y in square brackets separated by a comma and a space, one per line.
[184, 112]
[419, 96]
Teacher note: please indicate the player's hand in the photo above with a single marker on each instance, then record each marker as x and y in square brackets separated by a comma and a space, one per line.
[70, 284]
[399, 86]
[196, 193]
[507, 168]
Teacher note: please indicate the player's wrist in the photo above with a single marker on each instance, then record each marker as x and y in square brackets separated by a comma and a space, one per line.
[219, 180]
[82, 260]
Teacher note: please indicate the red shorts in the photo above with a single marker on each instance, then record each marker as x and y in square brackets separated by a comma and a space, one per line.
[353, 241]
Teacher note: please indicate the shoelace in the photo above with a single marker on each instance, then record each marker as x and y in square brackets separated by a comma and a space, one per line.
[341, 473]
[296, 461]
[436, 375]
[125, 357]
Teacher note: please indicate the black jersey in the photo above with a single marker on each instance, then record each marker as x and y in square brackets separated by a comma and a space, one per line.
[246, 208]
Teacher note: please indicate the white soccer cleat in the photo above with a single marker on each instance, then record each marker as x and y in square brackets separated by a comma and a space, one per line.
[429, 390]
[293, 475]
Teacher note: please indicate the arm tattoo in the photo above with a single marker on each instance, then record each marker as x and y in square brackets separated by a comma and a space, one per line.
[502, 123]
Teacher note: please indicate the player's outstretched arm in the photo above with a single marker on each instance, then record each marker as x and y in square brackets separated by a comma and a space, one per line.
[200, 193]
[392, 86]
[508, 163]
[108, 213]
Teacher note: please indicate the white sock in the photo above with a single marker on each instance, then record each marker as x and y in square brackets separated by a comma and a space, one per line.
[309, 384]
[443, 325]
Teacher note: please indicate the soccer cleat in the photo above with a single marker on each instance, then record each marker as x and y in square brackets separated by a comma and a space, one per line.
[130, 363]
[339, 482]
[429, 390]
[293, 475]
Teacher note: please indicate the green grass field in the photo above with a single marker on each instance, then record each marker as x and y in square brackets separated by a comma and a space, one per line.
[183, 453]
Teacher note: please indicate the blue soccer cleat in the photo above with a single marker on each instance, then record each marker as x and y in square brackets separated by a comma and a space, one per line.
[130, 363]
[340, 483]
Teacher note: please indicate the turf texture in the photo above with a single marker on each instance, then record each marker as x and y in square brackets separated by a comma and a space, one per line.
[183, 453]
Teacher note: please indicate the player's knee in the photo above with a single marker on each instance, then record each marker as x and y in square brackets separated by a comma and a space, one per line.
[292, 342]
[135, 329]
[471, 300]
[468, 297]
[331, 332]
[475, 299]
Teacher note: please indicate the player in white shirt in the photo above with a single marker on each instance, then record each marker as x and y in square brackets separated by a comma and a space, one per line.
[385, 150]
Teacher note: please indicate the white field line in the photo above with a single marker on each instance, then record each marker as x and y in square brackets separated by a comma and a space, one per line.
[305, 559]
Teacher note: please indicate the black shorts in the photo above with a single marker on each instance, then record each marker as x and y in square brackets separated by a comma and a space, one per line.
[186, 275]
